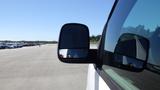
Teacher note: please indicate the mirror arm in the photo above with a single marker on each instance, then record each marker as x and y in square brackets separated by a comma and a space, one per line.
[93, 55]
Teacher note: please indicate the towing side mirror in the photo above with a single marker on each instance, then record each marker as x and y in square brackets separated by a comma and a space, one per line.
[73, 46]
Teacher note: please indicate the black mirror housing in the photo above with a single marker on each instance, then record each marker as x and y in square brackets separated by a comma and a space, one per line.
[73, 46]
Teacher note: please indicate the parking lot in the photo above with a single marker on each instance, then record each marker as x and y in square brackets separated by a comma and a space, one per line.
[37, 68]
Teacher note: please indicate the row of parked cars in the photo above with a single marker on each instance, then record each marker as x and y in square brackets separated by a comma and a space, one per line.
[15, 45]
[10, 45]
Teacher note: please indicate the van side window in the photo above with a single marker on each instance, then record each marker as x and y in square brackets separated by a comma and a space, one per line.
[140, 17]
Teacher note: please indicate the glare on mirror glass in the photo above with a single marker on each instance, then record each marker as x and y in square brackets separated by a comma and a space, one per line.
[73, 53]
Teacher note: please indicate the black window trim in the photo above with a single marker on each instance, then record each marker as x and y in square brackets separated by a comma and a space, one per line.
[98, 67]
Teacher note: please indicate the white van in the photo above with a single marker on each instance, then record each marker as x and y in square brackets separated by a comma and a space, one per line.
[128, 56]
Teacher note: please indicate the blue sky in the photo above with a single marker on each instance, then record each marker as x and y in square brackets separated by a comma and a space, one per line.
[42, 19]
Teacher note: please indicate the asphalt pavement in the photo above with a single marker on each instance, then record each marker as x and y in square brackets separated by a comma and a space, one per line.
[38, 68]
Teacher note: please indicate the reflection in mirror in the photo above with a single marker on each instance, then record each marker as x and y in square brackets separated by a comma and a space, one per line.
[131, 53]
[133, 46]
[73, 53]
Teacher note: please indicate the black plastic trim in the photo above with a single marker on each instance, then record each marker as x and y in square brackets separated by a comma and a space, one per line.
[98, 66]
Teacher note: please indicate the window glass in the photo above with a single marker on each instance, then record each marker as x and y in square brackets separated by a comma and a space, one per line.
[139, 17]
[143, 20]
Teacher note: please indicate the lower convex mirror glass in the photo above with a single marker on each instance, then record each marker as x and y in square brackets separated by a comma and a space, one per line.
[73, 53]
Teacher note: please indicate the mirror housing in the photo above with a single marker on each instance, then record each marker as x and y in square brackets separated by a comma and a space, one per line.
[73, 46]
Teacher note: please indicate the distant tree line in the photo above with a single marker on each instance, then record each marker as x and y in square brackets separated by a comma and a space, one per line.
[95, 39]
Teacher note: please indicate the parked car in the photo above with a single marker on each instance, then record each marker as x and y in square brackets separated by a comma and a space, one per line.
[10, 46]
[128, 54]
[19, 45]
[2, 46]
[13, 45]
